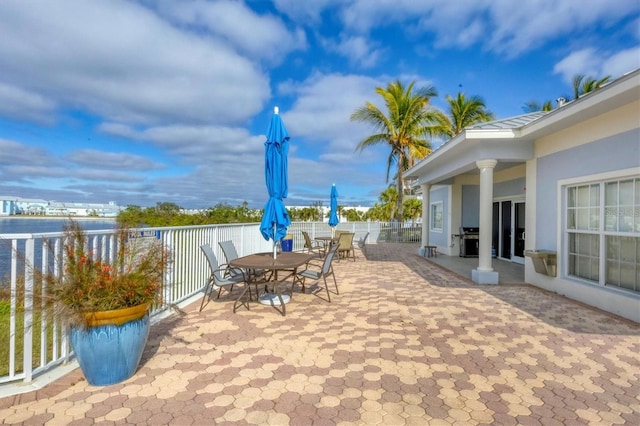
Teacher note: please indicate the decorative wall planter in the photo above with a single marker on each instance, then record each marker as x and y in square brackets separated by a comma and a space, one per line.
[110, 349]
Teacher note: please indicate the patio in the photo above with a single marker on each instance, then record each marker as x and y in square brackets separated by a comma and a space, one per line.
[406, 342]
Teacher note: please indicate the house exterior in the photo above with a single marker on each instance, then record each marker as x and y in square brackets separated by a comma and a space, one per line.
[31, 206]
[8, 206]
[83, 209]
[557, 191]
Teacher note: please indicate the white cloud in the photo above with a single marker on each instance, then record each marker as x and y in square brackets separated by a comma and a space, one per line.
[358, 50]
[504, 26]
[16, 153]
[122, 61]
[519, 26]
[192, 144]
[181, 87]
[622, 62]
[597, 64]
[262, 37]
[106, 160]
[363, 15]
[634, 28]
[324, 103]
[219, 163]
[18, 103]
[584, 62]
[319, 123]
[308, 11]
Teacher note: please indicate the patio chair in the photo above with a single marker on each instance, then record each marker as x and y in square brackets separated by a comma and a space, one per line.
[346, 249]
[221, 279]
[362, 242]
[312, 247]
[230, 252]
[316, 270]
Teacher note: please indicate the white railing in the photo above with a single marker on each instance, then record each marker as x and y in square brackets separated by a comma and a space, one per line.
[36, 345]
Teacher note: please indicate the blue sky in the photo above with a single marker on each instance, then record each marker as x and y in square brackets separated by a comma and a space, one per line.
[147, 101]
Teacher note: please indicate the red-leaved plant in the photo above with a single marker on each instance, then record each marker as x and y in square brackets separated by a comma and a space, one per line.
[134, 276]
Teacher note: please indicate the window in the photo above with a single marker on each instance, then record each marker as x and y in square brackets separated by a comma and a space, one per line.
[603, 232]
[436, 216]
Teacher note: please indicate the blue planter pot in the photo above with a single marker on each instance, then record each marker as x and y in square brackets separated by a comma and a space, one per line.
[109, 354]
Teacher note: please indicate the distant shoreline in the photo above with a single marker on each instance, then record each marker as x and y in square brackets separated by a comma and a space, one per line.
[76, 218]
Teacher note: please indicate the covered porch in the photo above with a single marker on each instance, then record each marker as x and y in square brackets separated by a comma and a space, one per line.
[509, 272]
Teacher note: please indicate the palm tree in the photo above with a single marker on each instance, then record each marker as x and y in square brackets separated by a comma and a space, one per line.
[352, 215]
[389, 202]
[409, 121]
[464, 112]
[412, 209]
[583, 85]
[535, 106]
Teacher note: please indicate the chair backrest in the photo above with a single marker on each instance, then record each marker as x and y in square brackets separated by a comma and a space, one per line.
[307, 240]
[329, 257]
[363, 241]
[211, 258]
[229, 250]
[346, 240]
[337, 234]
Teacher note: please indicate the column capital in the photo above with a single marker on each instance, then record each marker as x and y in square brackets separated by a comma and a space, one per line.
[486, 164]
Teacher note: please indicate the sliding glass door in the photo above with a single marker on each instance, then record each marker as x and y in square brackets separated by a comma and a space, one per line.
[509, 233]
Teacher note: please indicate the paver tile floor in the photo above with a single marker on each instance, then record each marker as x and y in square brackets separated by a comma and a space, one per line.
[404, 343]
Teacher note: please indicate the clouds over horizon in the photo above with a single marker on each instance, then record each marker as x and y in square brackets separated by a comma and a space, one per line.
[143, 100]
[145, 72]
[503, 27]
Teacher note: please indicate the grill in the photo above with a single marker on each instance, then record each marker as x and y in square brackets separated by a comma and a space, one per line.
[469, 239]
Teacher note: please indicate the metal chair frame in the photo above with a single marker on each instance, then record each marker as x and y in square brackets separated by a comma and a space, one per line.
[310, 247]
[325, 270]
[223, 276]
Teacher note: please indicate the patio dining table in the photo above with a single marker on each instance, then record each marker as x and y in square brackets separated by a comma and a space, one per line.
[285, 261]
[326, 241]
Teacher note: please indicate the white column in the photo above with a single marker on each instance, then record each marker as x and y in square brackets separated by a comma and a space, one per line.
[426, 219]
[485, 274]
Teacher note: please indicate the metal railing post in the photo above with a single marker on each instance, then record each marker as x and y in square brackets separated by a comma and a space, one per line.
[27, 349]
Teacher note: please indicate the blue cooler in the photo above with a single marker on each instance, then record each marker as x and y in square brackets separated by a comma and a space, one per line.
[287, 243]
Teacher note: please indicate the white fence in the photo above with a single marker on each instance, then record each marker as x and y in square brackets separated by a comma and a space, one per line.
[36, 346]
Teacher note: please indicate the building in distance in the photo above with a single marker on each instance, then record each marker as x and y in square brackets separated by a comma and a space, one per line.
[11, 206]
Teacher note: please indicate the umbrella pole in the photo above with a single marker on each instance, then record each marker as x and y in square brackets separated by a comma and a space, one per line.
[274, 242]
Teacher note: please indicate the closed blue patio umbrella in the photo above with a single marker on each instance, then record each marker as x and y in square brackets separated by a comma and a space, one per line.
[333, 216]
[275, 218]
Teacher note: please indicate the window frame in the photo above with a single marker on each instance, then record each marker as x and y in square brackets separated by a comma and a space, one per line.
[436, 214]
[578, 222]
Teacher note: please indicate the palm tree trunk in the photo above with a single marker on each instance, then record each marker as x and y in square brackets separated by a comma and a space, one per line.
[399, 201]
[399, 208]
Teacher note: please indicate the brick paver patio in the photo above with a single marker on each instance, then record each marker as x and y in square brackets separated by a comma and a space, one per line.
[405, 342]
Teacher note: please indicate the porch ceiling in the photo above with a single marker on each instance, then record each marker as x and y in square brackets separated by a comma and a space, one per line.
[460, 156]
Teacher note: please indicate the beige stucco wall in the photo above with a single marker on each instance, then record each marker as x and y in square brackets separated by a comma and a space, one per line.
[616, 121]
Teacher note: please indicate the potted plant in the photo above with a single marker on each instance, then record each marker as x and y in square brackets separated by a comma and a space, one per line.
[106, 303]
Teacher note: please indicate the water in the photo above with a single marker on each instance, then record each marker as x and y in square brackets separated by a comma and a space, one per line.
[19, 226]
[35, 226]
